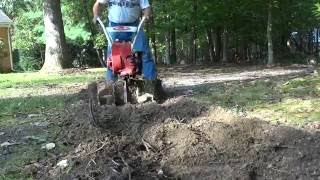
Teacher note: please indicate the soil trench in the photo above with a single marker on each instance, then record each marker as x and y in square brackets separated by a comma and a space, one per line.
[181, 139]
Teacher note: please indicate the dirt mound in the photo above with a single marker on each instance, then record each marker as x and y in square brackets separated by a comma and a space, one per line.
[180, 139]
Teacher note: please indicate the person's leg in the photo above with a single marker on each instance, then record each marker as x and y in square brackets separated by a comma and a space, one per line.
[148, 65]
[109, 75]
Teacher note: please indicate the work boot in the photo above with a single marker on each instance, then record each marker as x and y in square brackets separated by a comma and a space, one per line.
[154, 87]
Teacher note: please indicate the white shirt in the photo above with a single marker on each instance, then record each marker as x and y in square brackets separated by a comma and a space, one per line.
[125, 11]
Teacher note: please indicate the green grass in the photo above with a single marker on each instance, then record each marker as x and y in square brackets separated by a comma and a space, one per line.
[300, 87]
[295, 102]
[23, 156]
[31, 104]
[238, 94]
[15, 107]
[15, 80]
[292, 111]
[34, 92]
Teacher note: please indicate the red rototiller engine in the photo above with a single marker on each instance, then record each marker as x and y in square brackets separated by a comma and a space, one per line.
[125, 64]
[122, 60]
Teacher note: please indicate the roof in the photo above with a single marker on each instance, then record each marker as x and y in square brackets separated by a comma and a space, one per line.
[4, 19]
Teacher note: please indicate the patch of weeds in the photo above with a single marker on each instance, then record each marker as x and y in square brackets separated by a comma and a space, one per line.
[31, 138]
[19, 156]
[299, 105]
[31, 104]
[290, 111]
[292, 101]
[303, 87]
[239, 94]
[14, 176]
[6, 121]
[16, 110]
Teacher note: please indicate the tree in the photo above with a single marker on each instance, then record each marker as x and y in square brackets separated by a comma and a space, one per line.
[200, 31]
[269, 34]
[56, 56]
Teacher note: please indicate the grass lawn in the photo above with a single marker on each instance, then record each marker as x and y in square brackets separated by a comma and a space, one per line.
[33, 79]
[34, 92]
[292, 102]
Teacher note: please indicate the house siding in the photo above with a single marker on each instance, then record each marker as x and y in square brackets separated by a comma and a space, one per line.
[5, 61]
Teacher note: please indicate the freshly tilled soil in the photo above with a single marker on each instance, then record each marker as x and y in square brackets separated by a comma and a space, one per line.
[181, 139]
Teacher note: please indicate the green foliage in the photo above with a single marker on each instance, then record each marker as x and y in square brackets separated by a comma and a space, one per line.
[77, 34]
[29, 35]
[100, 41]
[29, 61]
[317, 9]
[14, 8]
[245, 21]
[29, 28]
[77, 21]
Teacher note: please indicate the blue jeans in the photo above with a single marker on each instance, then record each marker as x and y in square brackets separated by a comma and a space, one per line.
[141, 45]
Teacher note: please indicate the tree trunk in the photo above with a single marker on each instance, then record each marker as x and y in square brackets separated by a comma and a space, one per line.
[173, 46]
[153, 40]
[206, 57]
[269, 34]
[56, 56]
[225, 46]
[168, 48]
[317, 42]
[191, 48]
[210, 45]
[217, 44]
[193, 35]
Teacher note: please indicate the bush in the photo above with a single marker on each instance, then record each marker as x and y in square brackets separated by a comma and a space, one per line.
[16, 60]
[30, 61]
[84, 55]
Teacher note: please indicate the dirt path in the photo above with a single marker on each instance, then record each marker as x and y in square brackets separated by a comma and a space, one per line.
[186, 76]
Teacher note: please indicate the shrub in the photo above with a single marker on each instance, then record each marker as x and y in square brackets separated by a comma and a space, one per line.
[30, 61]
